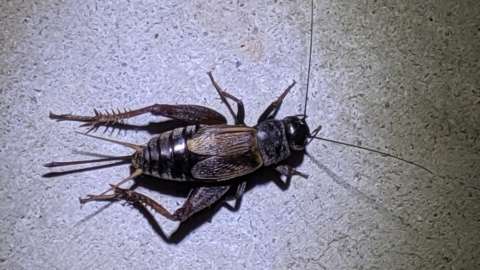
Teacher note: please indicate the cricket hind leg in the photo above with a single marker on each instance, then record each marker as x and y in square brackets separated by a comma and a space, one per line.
[193, 114]
[132, 197]
[239, 117]
[198, 199]
[273, 108]
[103, 196]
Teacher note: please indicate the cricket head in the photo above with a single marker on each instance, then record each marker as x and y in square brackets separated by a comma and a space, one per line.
[297, 131]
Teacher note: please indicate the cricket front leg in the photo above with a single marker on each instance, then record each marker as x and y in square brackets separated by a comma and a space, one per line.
[193, 114]
[239, 117]
[289, 171]
[273, 108]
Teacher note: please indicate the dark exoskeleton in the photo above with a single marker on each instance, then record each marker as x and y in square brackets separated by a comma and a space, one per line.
[205, 150]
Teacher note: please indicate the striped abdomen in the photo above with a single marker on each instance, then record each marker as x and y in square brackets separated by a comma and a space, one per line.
[166, 156]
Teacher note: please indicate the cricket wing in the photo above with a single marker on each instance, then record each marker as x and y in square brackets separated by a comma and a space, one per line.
[223, 140]
[219, 168]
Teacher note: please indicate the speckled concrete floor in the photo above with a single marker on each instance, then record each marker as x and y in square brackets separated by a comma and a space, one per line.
[401, 76]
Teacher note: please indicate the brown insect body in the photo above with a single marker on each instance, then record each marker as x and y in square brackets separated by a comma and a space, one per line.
[200, 153]
[206, 151]
[213, 153]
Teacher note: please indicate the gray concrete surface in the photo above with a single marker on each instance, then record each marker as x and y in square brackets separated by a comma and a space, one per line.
[401, 76]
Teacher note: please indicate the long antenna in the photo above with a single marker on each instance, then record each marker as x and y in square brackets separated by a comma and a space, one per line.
[309, 60]
[375, 151]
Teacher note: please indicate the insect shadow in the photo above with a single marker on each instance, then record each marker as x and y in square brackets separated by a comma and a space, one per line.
[175, 189]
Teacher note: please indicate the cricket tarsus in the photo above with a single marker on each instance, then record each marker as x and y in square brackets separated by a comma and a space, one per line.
[71, 117]
[89, 198]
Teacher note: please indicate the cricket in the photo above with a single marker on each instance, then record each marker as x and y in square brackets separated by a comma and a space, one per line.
[207, 150]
